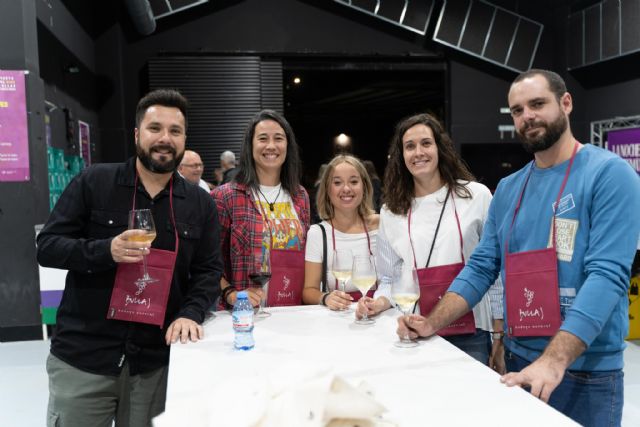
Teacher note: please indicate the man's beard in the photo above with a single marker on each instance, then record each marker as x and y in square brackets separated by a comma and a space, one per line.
[553, 132]
[156, 166]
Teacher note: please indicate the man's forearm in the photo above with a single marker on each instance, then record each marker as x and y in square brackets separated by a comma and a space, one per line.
[451, 307]
[563, 349]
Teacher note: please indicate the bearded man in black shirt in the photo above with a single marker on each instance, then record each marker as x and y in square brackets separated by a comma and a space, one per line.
[103, 365]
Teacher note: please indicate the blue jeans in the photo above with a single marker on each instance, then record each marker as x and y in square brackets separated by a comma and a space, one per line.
[476, 345]
[589, 398]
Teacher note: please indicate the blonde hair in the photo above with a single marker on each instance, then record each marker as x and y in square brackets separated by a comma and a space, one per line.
[323, 203]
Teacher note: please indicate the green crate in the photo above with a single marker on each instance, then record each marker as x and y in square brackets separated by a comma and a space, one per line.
[49, 315]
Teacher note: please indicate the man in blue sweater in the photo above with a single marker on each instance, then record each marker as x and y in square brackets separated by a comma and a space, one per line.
[576, 367]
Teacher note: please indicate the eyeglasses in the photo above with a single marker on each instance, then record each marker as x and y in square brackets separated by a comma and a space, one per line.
[194, 165]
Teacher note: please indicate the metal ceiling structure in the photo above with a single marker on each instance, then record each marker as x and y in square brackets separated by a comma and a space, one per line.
[600, 128]
[162, 8]
[412, 15]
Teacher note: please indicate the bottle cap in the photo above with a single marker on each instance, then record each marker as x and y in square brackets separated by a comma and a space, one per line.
[242, 295]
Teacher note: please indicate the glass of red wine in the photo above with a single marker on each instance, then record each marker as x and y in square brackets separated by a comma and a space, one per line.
[260, 274]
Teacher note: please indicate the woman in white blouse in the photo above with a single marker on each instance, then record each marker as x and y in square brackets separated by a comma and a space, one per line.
[433, 217]
[345, 203]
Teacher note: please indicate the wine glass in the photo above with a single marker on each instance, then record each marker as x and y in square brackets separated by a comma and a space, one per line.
[405, 291]
[260, 274]
[142, 219]
[341, 266]
[363, 276]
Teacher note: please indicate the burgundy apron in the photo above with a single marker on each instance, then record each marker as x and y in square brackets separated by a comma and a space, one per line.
[287, 272]
[356, 295]
[145, 302]
[531, 280]
[435, 281]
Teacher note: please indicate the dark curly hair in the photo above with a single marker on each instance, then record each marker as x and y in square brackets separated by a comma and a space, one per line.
[399, 188]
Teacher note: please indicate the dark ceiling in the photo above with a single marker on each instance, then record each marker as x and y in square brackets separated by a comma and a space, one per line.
[96, 17]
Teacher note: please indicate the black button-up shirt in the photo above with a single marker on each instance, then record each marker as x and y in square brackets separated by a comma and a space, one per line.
[77, 237]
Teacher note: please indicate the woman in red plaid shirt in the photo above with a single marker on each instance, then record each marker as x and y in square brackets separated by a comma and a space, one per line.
[264, 209]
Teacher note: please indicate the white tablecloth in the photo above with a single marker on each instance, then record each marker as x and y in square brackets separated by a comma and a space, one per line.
[434, 384]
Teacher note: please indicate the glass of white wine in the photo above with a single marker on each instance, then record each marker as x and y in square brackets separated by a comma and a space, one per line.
[363, 276]
[341, 266]
[405, 291]
[142, 219]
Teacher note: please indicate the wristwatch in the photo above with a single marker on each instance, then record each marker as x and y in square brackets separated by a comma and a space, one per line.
[497, 335]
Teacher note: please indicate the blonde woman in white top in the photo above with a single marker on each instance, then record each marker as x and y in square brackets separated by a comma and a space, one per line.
[345, 203]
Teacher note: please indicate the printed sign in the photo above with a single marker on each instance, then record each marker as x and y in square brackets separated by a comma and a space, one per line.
[84, 132]
[626, 144]
[14, 134]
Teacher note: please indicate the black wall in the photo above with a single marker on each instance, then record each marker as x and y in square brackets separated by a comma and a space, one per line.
[22, 204]
[114, 60]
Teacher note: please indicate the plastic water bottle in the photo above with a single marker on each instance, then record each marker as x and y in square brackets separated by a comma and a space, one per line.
[242, 316]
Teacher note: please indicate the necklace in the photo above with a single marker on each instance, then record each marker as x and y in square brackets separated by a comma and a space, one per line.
[267, 200]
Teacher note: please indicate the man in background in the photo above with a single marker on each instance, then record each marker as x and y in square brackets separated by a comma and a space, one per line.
[228, 164]
[191, 169]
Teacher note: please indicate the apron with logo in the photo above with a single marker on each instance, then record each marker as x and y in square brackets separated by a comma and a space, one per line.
[356, 295]
[531, 280]
[134, 301]
[287, 271]
[434, 281]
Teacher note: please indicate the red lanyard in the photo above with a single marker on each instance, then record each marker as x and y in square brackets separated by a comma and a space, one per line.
[455, 212]
[524, 186]
[173, 219]
[366, 231]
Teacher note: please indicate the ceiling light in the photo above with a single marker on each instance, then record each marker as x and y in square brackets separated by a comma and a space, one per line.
[343, 140]
[297, 80]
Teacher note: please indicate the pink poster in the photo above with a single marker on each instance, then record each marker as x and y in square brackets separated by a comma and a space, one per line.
[626, 144]
[85, 142]
[14, 134]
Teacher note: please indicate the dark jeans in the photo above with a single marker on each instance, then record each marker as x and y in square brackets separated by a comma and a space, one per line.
[476, 345]
[589, 398]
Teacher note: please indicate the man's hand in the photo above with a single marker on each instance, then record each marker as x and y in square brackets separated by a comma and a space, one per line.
[125, 250]
[184, 329]
[414, 326]
[543, 376]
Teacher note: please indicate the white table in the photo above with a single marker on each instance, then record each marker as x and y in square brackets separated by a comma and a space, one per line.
[434, 384]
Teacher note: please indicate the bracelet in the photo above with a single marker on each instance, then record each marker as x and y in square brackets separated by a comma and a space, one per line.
[323, 300]
[225, 293]
[497, 335]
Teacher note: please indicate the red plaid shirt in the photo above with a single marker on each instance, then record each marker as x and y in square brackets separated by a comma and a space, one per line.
[241, 227]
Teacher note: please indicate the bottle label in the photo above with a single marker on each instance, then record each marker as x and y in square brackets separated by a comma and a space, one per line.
[242, 320]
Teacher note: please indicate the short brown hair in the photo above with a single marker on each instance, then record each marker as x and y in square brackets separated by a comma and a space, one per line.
[555, 82]
[325, 208]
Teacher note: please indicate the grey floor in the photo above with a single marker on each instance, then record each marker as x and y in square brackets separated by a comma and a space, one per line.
[23, 384]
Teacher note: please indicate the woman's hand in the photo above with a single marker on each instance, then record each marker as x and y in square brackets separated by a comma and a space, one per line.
[371, 306]
[338, 300]
[254, 294]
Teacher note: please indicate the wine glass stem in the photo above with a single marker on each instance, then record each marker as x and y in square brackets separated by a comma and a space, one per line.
[406, 336]
[263, 299]
[144, 266]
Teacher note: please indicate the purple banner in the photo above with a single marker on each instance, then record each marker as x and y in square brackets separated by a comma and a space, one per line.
[14, 134]
[626, 144]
